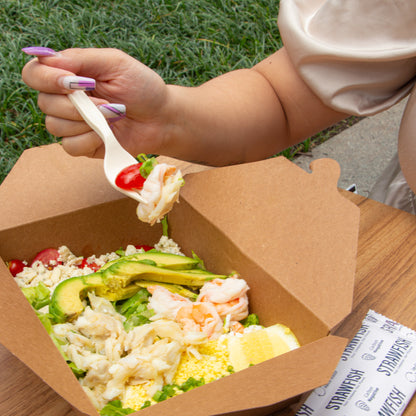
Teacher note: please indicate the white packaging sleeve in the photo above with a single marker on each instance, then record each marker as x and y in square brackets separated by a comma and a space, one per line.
[376, 374]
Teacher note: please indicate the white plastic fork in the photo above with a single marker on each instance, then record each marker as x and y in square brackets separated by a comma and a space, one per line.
[116, 158]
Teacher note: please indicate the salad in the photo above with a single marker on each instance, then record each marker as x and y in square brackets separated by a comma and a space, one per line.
[142, 324]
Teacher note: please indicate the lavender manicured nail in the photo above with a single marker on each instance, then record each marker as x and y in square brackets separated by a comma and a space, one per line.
[73, 82]
[39, 51]
[113, 112]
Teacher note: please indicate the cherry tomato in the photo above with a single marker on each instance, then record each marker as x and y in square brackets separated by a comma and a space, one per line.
[93, 266]
[130, 178]
[16, 266]
[49, 257]
[144, 247]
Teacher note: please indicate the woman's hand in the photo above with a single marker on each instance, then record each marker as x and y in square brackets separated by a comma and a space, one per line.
[241, 116]
[119, 78]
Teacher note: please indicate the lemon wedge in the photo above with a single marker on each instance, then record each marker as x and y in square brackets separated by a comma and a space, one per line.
[260, 345]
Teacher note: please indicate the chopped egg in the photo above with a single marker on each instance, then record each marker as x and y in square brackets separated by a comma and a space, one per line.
[212, 364]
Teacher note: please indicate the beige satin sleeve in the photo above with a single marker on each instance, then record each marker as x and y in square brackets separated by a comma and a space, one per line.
[358, 56]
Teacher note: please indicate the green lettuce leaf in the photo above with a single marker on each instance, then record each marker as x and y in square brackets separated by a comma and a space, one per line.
[115, 408]
[251, 319]
[38, 296]
[147, 167]
[135, 310]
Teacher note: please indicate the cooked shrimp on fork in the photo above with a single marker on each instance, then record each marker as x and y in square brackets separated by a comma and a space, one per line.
[161, 191]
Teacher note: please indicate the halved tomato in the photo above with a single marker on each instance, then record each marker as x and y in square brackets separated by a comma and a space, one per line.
[144, 247]
[130, 178]
[16, 266]
[93, 266]
[48, 256]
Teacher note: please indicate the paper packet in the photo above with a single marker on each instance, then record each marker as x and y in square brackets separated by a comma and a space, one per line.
[376, 374]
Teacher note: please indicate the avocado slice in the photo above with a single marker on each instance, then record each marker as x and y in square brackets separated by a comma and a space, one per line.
[180, 290]
[194, 271]
[166, 260]
[66, 301]
[123, 272]
[119, 294]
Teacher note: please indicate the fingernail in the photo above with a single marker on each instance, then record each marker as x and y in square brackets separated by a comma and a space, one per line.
[113, 112]
[73, 82]
[39, 51]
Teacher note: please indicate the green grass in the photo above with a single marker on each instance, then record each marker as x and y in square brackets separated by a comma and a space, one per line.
[186, 42]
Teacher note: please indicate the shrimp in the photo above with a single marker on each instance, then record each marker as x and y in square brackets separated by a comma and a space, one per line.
[229, 297]
[236, 327]
[193, 316]
[200, 317]
[161, 191]
[165, 303]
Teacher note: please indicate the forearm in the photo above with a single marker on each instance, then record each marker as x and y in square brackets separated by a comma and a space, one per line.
[227, 120]
[244, 115]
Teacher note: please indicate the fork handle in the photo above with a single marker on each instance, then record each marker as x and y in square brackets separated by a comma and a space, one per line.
[92, 116]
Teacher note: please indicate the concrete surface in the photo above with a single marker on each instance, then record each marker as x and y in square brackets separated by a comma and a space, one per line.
[363, 150]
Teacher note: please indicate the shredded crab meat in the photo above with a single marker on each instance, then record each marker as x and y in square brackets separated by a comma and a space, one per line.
[161, 191]
[112, 358]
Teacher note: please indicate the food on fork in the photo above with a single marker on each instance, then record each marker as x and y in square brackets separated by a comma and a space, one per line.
[137, 327]
[161, 191]
[158, 183]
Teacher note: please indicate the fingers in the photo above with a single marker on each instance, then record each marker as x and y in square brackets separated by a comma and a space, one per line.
[45, 78]
[63, 120]
[54, 80]
[58, 105]
[61, 127]
[55, 75]
[50, 73]
[87, 144]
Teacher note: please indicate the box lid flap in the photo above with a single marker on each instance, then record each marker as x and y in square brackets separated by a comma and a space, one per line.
[262, 385]
[295, 225]
[27, 339]
[46, 182]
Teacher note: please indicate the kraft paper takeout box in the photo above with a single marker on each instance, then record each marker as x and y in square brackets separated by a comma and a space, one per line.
[289, 233]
